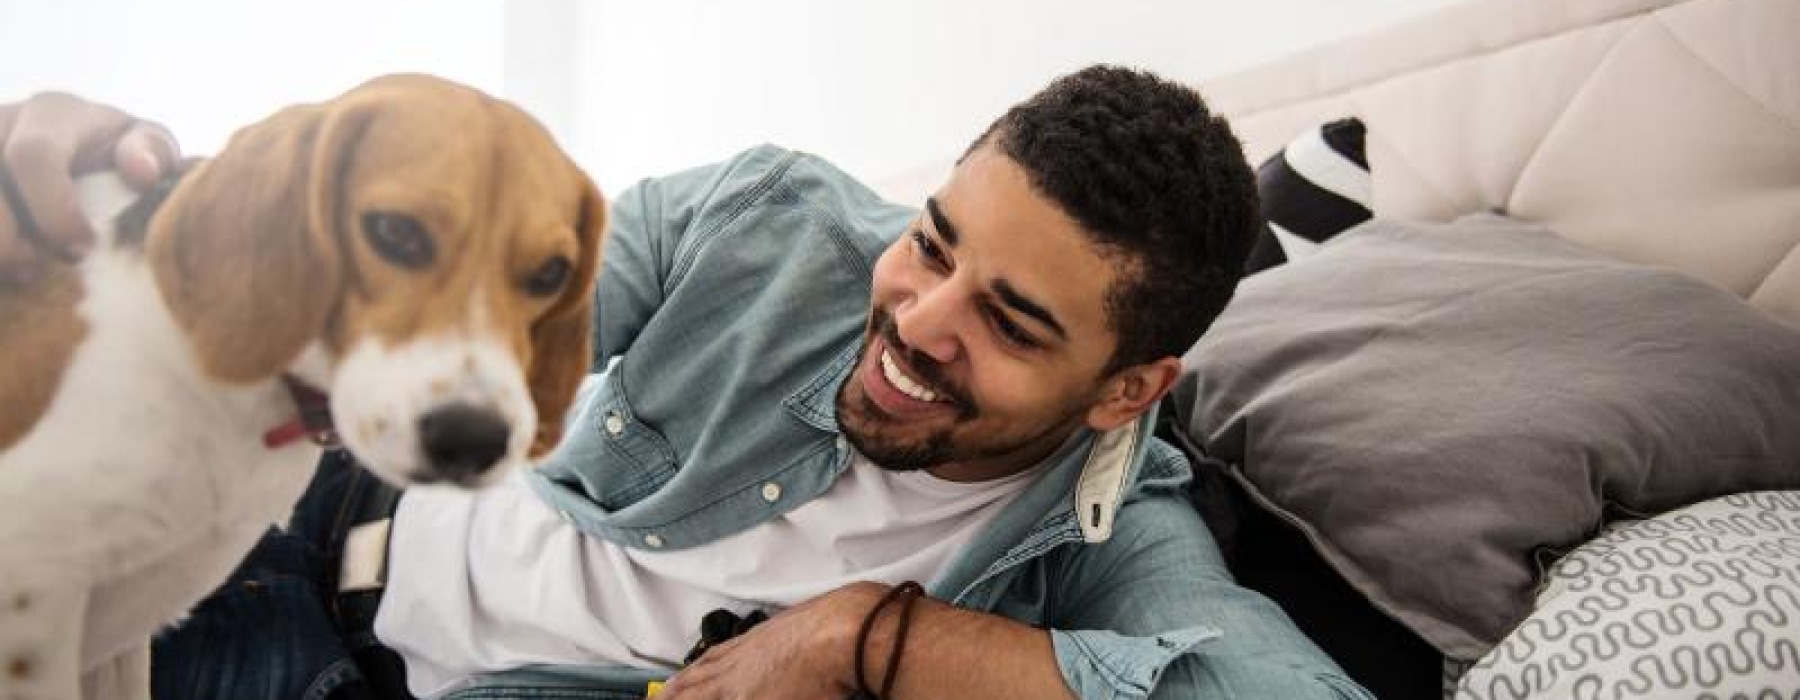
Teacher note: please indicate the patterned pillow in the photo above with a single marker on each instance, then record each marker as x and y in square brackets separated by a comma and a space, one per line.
[1315, 188]
[1703, 602]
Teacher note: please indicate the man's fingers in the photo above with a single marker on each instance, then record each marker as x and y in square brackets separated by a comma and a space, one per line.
[45, 143]
[38, 170]
[52, 138]
[15, 253]
[687, 685]
[693, 682]
[145, 153]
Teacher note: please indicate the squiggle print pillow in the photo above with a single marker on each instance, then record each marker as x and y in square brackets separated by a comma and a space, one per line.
[1702, 602]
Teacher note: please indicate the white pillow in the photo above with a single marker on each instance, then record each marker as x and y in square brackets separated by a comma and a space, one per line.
[1702, 602]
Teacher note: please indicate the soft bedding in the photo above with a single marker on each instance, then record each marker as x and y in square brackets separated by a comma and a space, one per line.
[1700, 602]
[1444, 408]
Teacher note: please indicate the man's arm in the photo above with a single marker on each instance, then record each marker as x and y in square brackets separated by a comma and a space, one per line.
[650, 222]
[809, 651]
[1160, 583]
[1151, 613]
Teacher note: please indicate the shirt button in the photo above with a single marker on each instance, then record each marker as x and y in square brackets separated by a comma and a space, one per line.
[570, 519]
[771, 492]
[655, 541]
[615, 423]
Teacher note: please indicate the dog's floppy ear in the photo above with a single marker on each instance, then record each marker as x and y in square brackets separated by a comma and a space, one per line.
[562, 340]
[246, 251]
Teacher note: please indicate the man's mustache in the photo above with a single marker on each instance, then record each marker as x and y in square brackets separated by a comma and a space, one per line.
[927, 370]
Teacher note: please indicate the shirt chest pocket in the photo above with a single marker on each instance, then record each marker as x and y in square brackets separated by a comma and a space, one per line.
[611, 455]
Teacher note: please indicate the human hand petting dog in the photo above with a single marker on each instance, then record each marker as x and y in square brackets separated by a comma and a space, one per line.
[45, 143]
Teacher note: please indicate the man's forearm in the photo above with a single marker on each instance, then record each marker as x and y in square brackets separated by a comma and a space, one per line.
[808, 652]
[955, 652]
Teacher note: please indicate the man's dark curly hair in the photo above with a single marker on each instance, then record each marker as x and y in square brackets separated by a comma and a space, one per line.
[1161, 185]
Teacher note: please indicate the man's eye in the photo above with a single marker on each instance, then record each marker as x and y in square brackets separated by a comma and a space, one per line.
[929, 250]
[1012, 332]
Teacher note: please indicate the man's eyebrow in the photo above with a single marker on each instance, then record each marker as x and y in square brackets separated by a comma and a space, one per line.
[1003, 289]
[1013, 298]
[939, 222]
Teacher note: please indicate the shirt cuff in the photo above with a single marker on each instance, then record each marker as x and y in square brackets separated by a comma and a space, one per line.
[1103, 665]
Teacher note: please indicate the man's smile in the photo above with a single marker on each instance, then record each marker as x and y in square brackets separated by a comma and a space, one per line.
[907, 385]
[900, 394]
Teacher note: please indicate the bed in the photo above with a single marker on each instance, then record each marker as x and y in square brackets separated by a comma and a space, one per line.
[1527, 423]
[1534, 540]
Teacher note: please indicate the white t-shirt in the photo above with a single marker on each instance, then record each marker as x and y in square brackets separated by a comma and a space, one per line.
[493, 580]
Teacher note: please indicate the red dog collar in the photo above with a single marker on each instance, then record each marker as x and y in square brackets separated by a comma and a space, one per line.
[313, 420]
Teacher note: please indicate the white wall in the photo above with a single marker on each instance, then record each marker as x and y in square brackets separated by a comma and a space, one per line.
[880, 87]
[206, 67]
[644, 87]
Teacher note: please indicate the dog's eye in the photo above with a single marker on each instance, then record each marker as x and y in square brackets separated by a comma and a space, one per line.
[549, 278]
[399, 238]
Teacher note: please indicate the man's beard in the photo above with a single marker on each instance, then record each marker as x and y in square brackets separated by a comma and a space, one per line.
[861, 420]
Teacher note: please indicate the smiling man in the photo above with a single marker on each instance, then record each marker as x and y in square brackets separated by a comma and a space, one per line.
[804, 398]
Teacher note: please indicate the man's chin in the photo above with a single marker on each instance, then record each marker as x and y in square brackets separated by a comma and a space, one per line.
[897, 457]
[889, 451]
[881, 437]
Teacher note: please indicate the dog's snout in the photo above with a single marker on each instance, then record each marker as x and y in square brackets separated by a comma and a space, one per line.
[462, 441]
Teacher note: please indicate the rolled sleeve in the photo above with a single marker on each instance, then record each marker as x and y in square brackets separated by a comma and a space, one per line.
[1176, 624]
[1102, 665]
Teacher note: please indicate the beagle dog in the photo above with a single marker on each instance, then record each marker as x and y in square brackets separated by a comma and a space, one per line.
[420, 253]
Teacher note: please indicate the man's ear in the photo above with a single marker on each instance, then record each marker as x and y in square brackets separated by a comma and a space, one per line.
[1132, 391]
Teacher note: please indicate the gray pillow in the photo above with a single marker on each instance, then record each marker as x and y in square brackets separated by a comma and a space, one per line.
[1442, 409]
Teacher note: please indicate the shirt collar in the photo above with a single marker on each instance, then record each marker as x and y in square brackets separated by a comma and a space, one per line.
[815, 403]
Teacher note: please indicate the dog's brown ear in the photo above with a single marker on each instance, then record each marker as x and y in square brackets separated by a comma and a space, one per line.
[246, 251]
[562, 340]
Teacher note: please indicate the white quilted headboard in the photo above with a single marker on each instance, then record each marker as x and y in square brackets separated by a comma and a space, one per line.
[1660, 131]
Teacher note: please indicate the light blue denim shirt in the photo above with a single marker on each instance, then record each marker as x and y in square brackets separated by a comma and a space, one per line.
[730, 310]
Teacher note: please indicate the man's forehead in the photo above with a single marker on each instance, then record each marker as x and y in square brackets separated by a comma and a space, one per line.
[1025, 245]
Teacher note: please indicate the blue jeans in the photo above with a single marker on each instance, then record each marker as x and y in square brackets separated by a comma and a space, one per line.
[277, 629]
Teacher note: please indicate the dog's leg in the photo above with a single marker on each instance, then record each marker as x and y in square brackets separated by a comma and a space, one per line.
[40, 637]
[124, 677]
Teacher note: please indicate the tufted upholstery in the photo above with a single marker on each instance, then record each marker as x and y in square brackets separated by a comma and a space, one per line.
[1659, 131]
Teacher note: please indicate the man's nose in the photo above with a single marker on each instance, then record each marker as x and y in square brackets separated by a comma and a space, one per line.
[929, 325]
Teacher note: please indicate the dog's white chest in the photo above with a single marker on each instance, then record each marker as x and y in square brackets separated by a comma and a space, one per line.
[144, 481]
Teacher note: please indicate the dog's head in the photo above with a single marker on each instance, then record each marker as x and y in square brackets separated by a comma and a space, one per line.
[422, 251]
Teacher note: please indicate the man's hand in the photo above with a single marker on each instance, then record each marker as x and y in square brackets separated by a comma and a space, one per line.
[45, 142]
[809, 652]
[803, 653]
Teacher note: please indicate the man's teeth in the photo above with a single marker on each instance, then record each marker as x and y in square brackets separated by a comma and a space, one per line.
[902, 382]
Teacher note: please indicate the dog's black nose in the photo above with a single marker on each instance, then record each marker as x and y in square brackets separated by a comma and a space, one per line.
[462, 441]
